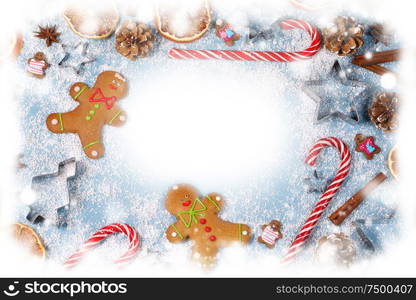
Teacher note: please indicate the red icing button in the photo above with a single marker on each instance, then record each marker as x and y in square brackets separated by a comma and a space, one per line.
[202, 221]
[207, 229]
[212, 238]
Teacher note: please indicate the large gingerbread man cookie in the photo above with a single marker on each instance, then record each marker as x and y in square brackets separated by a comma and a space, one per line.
[197, 220]
[97, 106]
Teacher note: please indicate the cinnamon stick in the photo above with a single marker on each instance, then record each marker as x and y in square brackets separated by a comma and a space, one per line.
[377, 69]
[377, 58]
[347, 208]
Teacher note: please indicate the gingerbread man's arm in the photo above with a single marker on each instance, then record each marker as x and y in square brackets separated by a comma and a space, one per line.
[117, 117]
[177, 232]
[214, 200]
[78, 91]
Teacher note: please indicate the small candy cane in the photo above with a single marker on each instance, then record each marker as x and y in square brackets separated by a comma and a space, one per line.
[332, 189]
[258, 55]
[102, 234]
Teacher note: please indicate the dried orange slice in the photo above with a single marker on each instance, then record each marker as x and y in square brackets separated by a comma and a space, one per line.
[26, 236]
[92, 22]
[393, 162]
[10, 46]
[183, 25]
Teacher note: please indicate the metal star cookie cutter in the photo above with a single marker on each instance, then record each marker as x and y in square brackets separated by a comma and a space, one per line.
[40, 210]
[315, 90]
[69, 54]
[316, 183]
[359, 224]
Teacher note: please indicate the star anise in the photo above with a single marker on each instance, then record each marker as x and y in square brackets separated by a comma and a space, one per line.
[49, 34]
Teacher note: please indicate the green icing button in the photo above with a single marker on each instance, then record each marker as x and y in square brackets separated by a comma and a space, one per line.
[87, 118]
[97, 105]
[92, 112]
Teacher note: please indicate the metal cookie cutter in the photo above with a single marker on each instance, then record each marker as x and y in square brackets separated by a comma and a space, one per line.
[53, 196]
[340, 101]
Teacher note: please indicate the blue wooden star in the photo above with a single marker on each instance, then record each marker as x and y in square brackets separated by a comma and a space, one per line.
[336, 95]
[75, 57]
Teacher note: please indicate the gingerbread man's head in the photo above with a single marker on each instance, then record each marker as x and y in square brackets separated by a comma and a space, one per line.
[39, 56]
[112, 84]
[180, 198]
[275, 225]
[359, 138]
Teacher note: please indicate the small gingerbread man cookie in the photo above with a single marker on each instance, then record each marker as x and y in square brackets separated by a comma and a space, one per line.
[197, 220]
[37, 65]
[97, 107]
[366, 145]
[271, 233]
[226, 32]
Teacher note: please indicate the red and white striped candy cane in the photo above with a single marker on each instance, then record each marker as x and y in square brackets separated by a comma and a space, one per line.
[102, 234]
[258, 55]
[332, 189]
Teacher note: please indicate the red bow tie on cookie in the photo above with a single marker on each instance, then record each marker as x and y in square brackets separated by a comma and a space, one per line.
[98, 96]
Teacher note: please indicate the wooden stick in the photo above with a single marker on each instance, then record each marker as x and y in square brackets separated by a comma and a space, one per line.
[377, 58]
[345, 210]
[377, 69]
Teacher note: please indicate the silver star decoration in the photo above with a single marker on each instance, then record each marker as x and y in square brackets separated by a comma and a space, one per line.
[336, 95]
[75, 57]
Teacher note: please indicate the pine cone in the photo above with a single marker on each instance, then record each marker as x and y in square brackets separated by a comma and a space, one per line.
[384, 111]
[345, 37]
[134, 40]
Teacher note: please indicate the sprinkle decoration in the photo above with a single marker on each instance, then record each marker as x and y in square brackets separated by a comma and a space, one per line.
[272, 56]
[102, 234]
[332, 189]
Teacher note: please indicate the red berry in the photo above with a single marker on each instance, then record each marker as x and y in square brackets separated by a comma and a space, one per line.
[207, 228]
[212, 238]
[202, 221]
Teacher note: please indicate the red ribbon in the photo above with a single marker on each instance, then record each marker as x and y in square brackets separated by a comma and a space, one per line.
[108, 101]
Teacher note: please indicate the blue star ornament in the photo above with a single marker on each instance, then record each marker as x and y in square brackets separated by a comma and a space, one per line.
[337, 95]
[76, 57]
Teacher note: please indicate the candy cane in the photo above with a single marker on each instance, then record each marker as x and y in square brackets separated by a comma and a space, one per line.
[102, 234]
[258, 55]
[332, 189]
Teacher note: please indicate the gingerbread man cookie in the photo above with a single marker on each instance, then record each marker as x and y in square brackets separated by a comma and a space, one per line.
[271, 233]
[37, 65]
[197, 220]
[97, 107]
[366, 145]
[226, 32]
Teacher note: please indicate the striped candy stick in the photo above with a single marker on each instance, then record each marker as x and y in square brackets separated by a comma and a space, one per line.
[273, 56]
[326, 197]
[102, 234]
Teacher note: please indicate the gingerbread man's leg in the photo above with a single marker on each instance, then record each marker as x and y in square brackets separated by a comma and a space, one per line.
[204, 252]
[91, 143]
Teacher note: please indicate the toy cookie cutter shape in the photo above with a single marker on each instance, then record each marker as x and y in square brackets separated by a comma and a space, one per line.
[76, 57]
[53, 194]
[336, 95]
